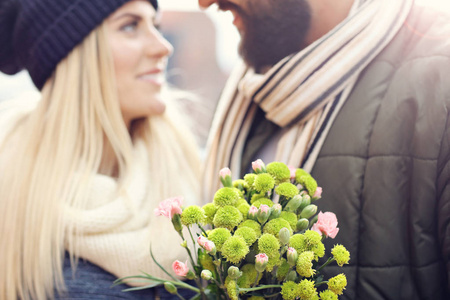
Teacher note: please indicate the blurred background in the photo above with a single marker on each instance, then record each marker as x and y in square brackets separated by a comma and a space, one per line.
[205, 44]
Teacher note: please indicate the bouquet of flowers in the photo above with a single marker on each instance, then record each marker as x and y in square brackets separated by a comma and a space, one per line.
[260, 238]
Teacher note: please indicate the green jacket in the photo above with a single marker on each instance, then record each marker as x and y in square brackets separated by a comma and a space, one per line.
[385, 168]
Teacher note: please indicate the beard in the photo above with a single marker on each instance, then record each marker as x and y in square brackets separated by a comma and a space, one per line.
[273, 31]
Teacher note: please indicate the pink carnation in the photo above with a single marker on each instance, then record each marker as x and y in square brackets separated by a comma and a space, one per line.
[258, 165]
[318, 193]
[209, 246]
[261, 258]
[264, 208]
[326, 224]
[292, 170]
[181, 269]
[201, 240]
[225, 172]
[253, 210]
[169, 207]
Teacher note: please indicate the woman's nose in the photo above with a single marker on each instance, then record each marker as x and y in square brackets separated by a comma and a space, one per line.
[205, 3]
[159, 46]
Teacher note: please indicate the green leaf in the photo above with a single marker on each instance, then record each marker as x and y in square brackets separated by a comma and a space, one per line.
[142, 287]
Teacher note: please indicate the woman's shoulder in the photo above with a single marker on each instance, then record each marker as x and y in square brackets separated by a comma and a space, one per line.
[12, 110]
[23, 103]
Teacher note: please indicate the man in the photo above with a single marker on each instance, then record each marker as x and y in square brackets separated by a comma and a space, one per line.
[355, 91]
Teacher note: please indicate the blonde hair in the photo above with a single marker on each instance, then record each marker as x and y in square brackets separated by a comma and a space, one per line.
[77, 120]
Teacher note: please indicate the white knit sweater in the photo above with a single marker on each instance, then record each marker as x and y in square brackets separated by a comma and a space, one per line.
[117, 231]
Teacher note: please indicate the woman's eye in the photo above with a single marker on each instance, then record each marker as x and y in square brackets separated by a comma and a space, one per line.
[130, 27]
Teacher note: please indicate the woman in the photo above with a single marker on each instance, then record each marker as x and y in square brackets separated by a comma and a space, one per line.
[83, 167]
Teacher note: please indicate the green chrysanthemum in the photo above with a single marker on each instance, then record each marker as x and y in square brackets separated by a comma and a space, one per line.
[309, 241]
[279, 171]
[287, 189]
[256, 197]
[340, 254]
[228, 217]
[248, 276]
[299, 173]
[283, 270]
[248, 234]
[243, 208]
[306, 289]
[262, 201]
[337, 284]
[328, 295]
[206, 261]
[250, 179]
[274, 226]
[318, 250]
[240, 202]
[307, 181]
[235, 249]
[232, 289]
[256, 298]
[312, 237]
[269, 245]
[290, 290]
[290, 217]
[297, 241]
[240, 184]
[304, 264]
[193, 214]
[226, 196]
[253, 225]
[210, 210]
[264, 182]
[218, 236]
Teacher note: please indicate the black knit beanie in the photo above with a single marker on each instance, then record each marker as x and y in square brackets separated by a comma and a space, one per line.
[37, 34]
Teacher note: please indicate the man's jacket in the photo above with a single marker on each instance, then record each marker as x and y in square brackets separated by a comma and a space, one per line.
[385, 169]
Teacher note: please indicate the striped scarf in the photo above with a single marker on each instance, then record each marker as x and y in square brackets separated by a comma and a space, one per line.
[302, 93]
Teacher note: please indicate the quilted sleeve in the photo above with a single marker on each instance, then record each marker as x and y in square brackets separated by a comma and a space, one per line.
[443, 193]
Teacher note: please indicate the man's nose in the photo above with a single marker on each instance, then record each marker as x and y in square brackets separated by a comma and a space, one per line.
[205, 3]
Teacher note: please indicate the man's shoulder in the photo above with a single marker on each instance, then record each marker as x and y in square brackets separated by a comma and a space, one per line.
[424, 35]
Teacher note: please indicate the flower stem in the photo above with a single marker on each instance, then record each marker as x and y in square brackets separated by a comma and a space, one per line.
[192, 238]
[181, 297]
[320, 283]
[218, 271]
[330, 260]
[256, 280]
[203, 230]
[261, 287]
